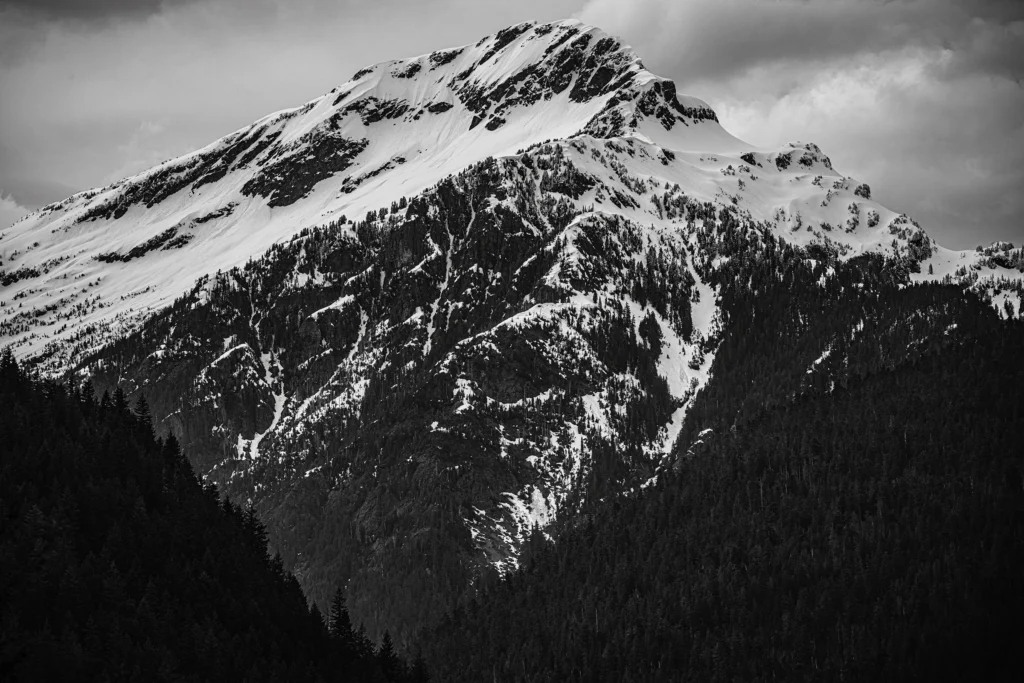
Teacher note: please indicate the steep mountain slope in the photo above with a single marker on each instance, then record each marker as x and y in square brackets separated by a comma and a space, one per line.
[116, 564]
[394, 129]
[867, 526]
[93, 266]
[448, 306]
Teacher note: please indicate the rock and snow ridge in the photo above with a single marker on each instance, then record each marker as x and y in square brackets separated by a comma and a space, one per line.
[103, 258]
[82, 271]
[498, 247]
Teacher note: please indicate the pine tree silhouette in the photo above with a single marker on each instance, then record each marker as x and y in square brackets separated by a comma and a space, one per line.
[143, 414]
[340, 626]
[120, 400]
[88, 395]
[388, 660]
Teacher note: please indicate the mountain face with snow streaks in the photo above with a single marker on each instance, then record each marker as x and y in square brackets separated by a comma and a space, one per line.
[432, 316]
[393, 130]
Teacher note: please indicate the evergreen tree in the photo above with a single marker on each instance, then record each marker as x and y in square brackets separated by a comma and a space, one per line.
[8, 366]
[88, 395]
[315, 613]
[363, 646]
[120, 403]
[143, 414]
[388, 660]
[341, 626]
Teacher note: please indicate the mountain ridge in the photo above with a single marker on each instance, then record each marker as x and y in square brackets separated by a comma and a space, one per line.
[414, 396]
[395, 129]
[227, 186]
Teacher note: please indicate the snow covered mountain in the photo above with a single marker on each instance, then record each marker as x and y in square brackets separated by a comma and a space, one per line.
[86, 269]
[392, 130]
[444, 307]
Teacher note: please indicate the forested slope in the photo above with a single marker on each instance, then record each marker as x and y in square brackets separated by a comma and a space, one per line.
[117, 564]
[865, 522]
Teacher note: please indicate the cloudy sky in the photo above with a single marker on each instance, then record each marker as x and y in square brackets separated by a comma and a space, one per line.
[923, 99]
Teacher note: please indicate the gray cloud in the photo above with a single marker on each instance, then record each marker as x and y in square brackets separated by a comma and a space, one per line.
[10, 211]
[920, 98]
[34, 192]
[721, 38]
[88, 9]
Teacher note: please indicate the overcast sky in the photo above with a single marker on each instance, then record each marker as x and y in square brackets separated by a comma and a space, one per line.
[923, 99]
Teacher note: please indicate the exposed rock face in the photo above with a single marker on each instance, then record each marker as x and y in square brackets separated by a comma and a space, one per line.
[445, 308]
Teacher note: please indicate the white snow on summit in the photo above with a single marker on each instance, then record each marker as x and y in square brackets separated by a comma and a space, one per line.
[78, 273]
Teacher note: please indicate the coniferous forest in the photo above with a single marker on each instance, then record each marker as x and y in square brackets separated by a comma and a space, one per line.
[636, 403]
[865, 529]
[863, 523]
[117, 564]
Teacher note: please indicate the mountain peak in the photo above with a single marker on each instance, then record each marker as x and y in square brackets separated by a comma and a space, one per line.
[532, 62]
[466, 295]
[117, 254]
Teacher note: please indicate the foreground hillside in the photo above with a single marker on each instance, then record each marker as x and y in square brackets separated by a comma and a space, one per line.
[116, 564]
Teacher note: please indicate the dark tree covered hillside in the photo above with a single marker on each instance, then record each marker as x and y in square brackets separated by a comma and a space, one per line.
[116, 564]
[861, 522]
[370, 397]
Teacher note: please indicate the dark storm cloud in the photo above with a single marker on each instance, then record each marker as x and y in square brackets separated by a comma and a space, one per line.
[88, 9]
[721, 38]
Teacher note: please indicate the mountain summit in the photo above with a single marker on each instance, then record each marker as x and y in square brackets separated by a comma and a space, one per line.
[427, 319]
[393, 129]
